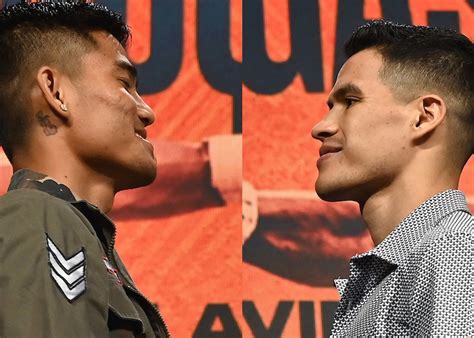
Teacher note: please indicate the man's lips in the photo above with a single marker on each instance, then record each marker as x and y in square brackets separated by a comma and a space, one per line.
[327, 149]
[141, 132]
[140, 137]
[147, 143]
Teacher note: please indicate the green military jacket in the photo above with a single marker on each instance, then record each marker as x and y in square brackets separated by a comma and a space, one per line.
[60, 275]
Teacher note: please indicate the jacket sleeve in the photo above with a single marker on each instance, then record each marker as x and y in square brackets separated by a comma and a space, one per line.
[443, 299]
[51, 282]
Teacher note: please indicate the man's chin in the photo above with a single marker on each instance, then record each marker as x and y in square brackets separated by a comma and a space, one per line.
[330, 197]
[138, 178]
[147, 177]
[331, 193]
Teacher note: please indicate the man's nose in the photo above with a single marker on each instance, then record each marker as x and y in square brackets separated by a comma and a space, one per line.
[324, 129]
[145, 113]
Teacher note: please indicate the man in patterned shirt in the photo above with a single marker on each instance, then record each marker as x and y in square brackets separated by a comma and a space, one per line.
[397, 136]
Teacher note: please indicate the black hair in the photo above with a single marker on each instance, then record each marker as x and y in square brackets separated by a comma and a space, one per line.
[34, 34]
[417, 59]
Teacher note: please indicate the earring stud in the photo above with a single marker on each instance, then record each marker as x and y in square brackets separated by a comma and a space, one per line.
[63, 107]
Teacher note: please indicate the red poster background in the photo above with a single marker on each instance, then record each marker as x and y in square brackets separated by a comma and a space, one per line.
[187, 261]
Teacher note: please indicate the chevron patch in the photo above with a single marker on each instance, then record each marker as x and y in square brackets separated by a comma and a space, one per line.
[69, 274]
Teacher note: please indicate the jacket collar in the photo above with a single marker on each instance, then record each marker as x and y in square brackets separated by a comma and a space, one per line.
[29, 179]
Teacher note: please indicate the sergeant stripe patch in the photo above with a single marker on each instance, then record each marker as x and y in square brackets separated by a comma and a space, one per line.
[69, 274]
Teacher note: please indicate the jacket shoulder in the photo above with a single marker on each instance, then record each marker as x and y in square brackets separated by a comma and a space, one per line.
[52, 269]
[33, 210]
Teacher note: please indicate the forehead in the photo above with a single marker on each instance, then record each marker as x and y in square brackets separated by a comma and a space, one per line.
[362, 69]
[107, 54]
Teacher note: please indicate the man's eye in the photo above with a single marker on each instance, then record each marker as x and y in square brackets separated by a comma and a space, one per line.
[350, 101]
[126, 84]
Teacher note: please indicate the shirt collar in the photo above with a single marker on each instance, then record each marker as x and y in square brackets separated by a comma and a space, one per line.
[340, 284]
[409, 232]
[29, 179]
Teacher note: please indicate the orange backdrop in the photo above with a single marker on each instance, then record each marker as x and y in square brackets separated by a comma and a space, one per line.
[187, 262]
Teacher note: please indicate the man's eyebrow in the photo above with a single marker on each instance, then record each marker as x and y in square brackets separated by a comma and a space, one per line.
[342, 91]
[128, 67]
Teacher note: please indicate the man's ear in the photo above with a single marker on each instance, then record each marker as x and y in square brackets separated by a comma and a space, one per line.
[51, 84]
[430, 112]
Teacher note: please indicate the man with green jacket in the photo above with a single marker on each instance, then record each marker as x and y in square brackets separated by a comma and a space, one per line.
[73, 127]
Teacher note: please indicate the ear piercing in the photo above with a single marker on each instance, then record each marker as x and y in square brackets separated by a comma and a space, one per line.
[63, 107]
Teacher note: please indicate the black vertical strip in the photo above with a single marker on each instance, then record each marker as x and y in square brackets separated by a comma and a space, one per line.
[264, 76]
[307, 320]
[328, 310]
[164, 63]
[261, 74]
[163, 66]
[447, 19]
[397, 11]
[118, 6]
[217, 65]
[213, 44]
[306, 43]
[351, 16]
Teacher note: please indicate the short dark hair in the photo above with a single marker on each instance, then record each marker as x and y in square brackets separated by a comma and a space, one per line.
[417, 59]
[35, 34]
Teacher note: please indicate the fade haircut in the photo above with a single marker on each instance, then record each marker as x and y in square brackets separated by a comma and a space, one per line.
[419, 60]
[44, 33]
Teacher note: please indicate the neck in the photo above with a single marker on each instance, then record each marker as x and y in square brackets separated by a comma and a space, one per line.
[385, 209]
[84, 184]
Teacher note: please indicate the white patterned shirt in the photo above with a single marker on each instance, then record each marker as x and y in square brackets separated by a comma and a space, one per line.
[418, 281]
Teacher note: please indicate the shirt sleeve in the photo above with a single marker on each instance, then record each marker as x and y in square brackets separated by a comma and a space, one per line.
[50, 285]
[444, 297]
